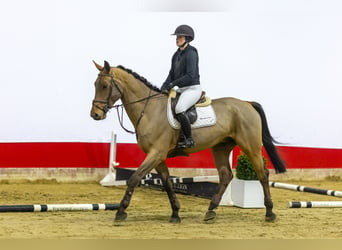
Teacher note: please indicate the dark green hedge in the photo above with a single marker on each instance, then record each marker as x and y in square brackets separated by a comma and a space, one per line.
[244, 168]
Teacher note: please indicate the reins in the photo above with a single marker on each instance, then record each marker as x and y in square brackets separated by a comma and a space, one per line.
[120, 117]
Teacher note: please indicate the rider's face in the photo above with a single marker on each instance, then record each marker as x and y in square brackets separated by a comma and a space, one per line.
[180, 40]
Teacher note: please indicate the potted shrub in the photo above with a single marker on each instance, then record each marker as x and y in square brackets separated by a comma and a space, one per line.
[246, 190]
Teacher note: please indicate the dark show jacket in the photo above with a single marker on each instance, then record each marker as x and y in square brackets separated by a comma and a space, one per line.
[184, 68]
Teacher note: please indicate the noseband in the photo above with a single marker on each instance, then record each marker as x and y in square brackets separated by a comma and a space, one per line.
[107, 106]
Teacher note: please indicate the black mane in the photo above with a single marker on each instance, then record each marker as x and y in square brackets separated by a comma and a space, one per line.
[141, 78]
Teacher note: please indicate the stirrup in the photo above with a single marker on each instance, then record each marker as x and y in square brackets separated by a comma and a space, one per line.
[187, 143]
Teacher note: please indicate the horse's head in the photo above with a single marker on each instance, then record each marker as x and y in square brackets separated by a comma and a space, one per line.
[107, 92]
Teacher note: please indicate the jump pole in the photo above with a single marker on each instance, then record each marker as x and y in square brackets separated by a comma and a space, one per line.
[306, 189]
[58, 207]
[110, 178]
[314, 204]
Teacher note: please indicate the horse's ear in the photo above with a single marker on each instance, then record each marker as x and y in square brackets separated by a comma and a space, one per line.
[98, 66]
[106, 66]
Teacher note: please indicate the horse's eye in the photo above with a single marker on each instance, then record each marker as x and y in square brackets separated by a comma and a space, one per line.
[104, 87]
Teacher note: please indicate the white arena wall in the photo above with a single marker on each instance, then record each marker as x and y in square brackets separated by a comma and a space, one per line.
[286, 55]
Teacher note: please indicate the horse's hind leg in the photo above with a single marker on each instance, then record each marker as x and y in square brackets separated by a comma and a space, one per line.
[164, 174]
[263, 173]
[270, 216]
[221, 158]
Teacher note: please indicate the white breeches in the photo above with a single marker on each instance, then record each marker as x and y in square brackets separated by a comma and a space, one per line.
[189, 96]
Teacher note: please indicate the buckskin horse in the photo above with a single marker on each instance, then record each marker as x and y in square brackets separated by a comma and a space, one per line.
[239, 123]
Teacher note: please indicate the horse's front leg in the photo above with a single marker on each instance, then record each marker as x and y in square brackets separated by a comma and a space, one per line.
[163, 171]
[151, 161]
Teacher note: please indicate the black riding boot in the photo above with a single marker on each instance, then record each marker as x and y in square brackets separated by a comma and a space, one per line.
[186, 128]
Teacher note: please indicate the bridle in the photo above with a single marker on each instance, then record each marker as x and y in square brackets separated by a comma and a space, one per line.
[107, 105]
[113, 84]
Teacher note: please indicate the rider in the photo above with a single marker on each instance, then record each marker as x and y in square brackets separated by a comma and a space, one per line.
[184, 74]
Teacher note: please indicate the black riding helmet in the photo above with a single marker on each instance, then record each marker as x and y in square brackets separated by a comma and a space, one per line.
[185, 30]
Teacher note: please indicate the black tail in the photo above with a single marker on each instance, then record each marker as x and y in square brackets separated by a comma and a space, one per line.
[267, 140]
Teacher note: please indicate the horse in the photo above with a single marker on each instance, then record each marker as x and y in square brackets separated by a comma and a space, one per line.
[239, 122]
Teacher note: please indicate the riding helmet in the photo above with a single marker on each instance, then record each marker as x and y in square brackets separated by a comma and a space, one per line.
[185, 30]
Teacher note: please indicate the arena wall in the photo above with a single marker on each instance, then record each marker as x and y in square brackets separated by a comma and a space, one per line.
[77, 162]
[286, 55]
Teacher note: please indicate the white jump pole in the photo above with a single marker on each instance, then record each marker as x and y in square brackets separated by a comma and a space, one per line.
[314, 204]
[306, 189]
[110, 178]
[58, 207]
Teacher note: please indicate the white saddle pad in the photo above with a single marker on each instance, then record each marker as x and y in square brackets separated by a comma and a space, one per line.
[205, 117]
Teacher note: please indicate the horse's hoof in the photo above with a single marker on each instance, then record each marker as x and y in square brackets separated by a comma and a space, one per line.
[120, 216]
[175, 220]
[270, 218]
[210, 217]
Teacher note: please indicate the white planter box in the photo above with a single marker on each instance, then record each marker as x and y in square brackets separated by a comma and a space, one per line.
[247, 194]
[227, 197]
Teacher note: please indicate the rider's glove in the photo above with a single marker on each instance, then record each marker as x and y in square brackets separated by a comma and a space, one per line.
[166, 87]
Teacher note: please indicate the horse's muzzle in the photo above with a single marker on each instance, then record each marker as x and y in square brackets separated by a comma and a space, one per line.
[97, 115]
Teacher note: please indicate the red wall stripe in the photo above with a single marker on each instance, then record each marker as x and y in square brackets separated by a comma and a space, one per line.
[85, 155]
[129, 155]
[303, 157]
[53, 155]
[96, 155]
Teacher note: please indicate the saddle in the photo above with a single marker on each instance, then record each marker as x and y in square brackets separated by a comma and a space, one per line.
[200, 115]
[191, 112]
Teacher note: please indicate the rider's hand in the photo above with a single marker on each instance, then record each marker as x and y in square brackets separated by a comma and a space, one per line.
[167, 87]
